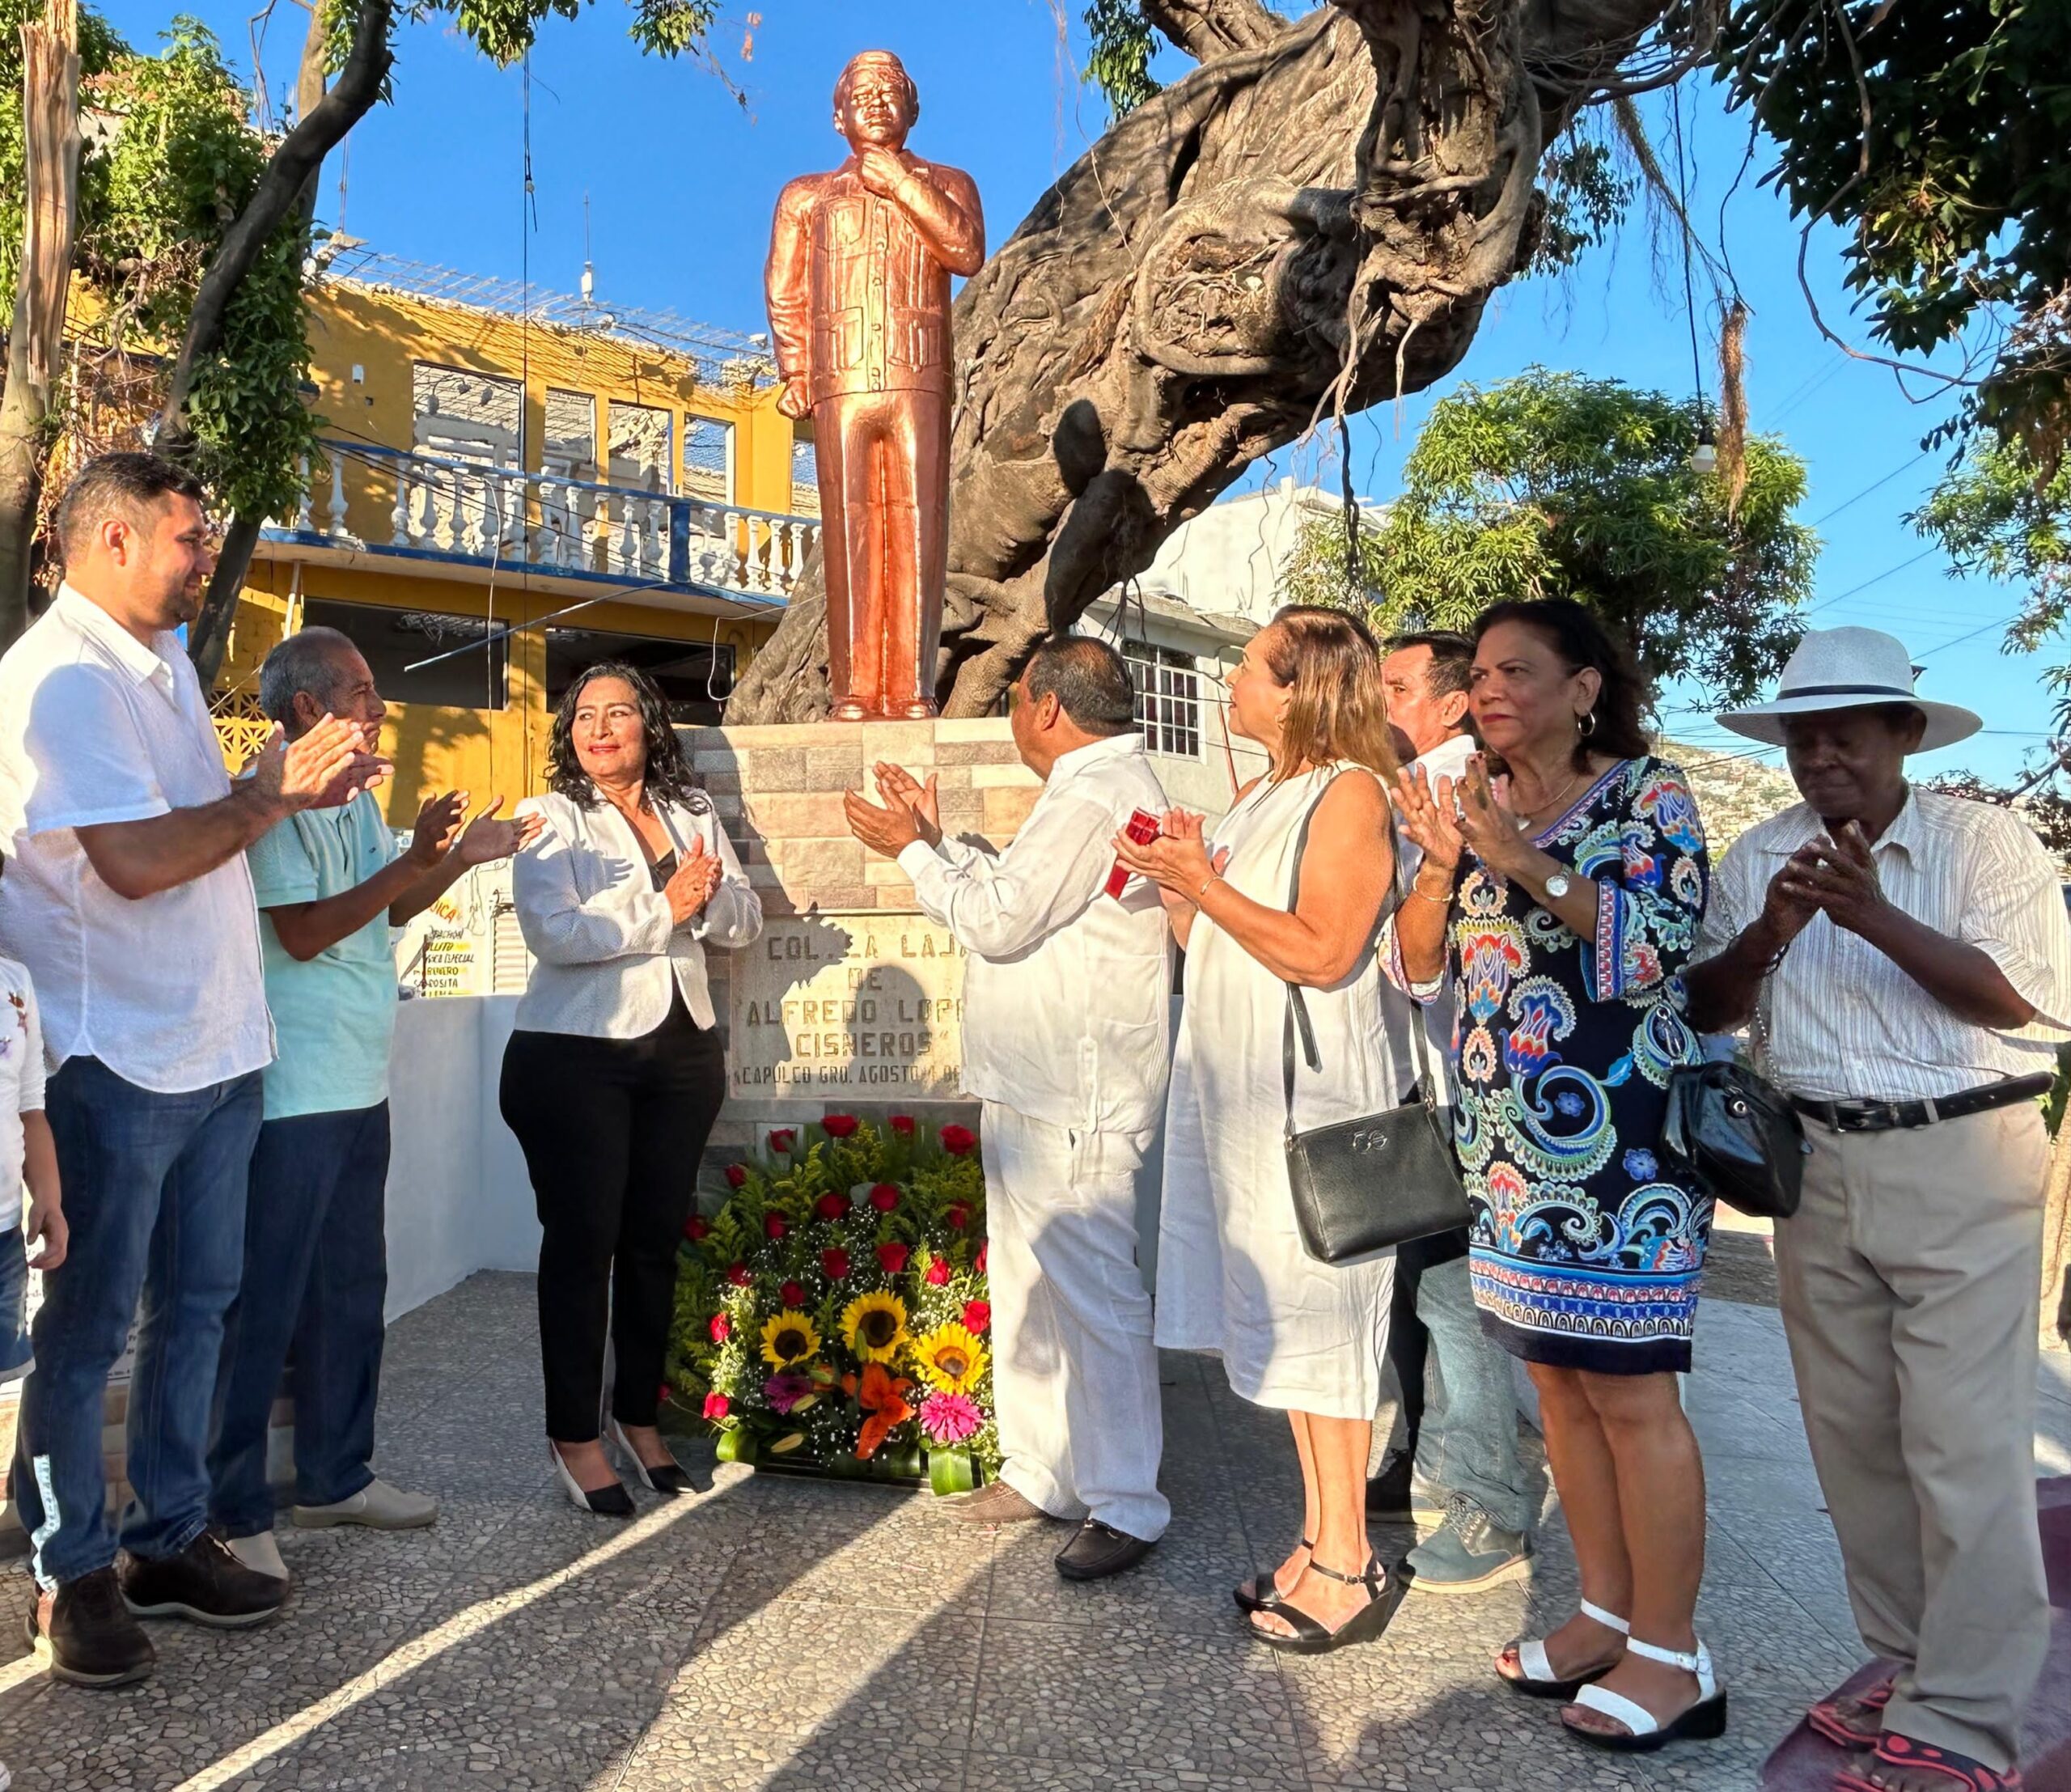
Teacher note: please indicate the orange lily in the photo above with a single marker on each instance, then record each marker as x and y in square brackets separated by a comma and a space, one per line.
[878, 1394]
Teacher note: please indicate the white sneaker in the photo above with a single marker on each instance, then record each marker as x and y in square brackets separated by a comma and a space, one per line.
[377, 1506]
[259, 1553]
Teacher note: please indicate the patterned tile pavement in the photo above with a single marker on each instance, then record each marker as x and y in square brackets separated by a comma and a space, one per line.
[774, 1635]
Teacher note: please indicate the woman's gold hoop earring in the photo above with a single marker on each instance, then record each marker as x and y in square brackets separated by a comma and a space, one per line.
[1585, 725]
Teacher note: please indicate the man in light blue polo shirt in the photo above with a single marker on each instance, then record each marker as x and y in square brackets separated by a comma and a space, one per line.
[329, 885]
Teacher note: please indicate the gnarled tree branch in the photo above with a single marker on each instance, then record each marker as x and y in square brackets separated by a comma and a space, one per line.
[1205, 28]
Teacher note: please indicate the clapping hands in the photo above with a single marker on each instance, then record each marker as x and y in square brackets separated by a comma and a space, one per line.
[439, 831]
[324, 768]
[697, 875]
[912, 811]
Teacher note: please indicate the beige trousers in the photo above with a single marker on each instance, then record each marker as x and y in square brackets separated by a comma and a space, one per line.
[1909, 1280]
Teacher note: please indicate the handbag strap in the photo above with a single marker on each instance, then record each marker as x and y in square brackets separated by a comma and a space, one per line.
[1296, 1020]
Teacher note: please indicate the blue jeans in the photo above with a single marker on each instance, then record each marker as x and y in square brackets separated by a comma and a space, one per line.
[154, 1192]
[1467, 1443]
[315, 1280]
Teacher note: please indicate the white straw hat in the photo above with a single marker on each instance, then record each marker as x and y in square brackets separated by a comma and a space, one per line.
[1850, 669]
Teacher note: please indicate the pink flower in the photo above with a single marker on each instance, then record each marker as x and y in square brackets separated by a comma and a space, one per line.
[902, 1124]
[791, 1294]
[773, 1226]
[891, 1258]
[722, 1327]
[738, 1275]
[951, 1418]
[736, 1174]
[696, 1227]
[783, 1140]
[977, 1317]
[938, 1275]
[834, 1265]
[716, 1406]
[957, 1139]
[884, 1197]
[839, 1125]
[784, 1392]
[831, 1206]
[958, 1216]
[663, 1393]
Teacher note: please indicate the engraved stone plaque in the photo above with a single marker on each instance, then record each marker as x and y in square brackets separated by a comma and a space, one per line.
[856, 1005]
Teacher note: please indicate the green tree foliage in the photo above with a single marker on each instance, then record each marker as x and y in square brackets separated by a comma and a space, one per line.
[1122, 45]
[169, 157]
[1553, 484]
[1934, 135]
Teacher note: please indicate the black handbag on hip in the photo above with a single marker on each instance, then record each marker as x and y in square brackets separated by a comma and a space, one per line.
[1734, 1135]
[1366, 1186]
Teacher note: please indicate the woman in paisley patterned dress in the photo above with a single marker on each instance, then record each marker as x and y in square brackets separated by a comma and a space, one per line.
[1565, 894]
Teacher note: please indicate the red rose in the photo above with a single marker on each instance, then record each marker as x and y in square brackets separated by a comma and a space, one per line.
[937, 1276]
[696, 1227]
[979, 1262]
[738, 1275]
[958, 1216]
[884, 1197]
[891, 1258]
[722, 1327]
[831, 1206]
[783, 1140]
[902, 1124]
[957, 1139]
[736, 1174]
[773, 1226]
[834, 1265]
[716, 1406]
[791, 1294]
[839, 1125]
[663, 1393]
[977, 1317]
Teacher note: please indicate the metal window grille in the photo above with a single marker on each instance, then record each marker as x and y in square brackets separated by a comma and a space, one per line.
[1168, 698]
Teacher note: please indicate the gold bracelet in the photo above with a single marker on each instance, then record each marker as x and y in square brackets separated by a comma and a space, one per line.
[1444, 901]
[1213, 877]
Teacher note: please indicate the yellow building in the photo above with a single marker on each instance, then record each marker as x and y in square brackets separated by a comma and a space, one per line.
[608, 484]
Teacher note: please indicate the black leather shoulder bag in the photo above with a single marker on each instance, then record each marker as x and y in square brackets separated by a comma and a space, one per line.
[1364, 1186]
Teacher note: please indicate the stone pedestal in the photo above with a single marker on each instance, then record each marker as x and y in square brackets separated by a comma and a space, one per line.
[851, 1001]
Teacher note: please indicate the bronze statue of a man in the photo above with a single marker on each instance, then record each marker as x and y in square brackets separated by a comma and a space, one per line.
[858, 289]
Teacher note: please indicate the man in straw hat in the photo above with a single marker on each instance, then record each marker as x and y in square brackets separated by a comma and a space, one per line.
[1904, 957]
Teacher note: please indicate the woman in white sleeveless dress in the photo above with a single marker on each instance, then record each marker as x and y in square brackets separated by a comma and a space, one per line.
[1306, 1337]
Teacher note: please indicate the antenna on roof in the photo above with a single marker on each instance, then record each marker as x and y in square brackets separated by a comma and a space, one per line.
[589, 272]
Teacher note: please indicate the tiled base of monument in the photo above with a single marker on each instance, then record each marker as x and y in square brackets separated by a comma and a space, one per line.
[852, 999]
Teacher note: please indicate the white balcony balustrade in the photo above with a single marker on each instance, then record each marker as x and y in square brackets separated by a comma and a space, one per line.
[383, 500]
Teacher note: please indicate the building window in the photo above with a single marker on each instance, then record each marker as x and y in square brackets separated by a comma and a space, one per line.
[708, 459]
[457, 415]
[694, 677]
[392, 641]
[805, 472]
[1168, 698]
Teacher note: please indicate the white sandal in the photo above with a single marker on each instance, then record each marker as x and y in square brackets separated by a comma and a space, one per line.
[1539, 1681]
[1703, 1722]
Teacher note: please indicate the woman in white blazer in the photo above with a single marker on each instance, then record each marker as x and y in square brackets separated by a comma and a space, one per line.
[614, 1076]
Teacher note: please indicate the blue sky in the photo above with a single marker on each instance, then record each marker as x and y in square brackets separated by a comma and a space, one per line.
[680, 182]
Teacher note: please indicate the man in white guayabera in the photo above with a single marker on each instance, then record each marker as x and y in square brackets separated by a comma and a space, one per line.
[1067, 1024]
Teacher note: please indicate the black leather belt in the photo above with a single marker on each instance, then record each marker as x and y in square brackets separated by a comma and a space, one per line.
[1884, 1116]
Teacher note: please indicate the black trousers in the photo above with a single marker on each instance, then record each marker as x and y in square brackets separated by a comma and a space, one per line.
[611, 1130]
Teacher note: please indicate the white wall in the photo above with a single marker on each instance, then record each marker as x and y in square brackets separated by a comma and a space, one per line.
[458, 1197]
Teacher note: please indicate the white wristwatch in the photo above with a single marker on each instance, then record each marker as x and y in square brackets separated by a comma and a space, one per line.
[1559, 885]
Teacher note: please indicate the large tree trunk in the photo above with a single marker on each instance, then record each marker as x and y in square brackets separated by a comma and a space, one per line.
[1314, 217]
[286, 192]
[50, 113]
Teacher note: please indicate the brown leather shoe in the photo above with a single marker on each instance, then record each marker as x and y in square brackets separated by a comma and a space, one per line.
[85, 1634]
[1100, 1550]
[994, 1503]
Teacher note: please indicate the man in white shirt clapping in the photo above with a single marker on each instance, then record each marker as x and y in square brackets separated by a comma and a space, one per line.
[1905, 959]
[126, 896]
[1066, 1043]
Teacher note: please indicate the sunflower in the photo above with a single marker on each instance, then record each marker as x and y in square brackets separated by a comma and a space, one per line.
[951, 1359]
[873, 1326]
[789, 1338]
